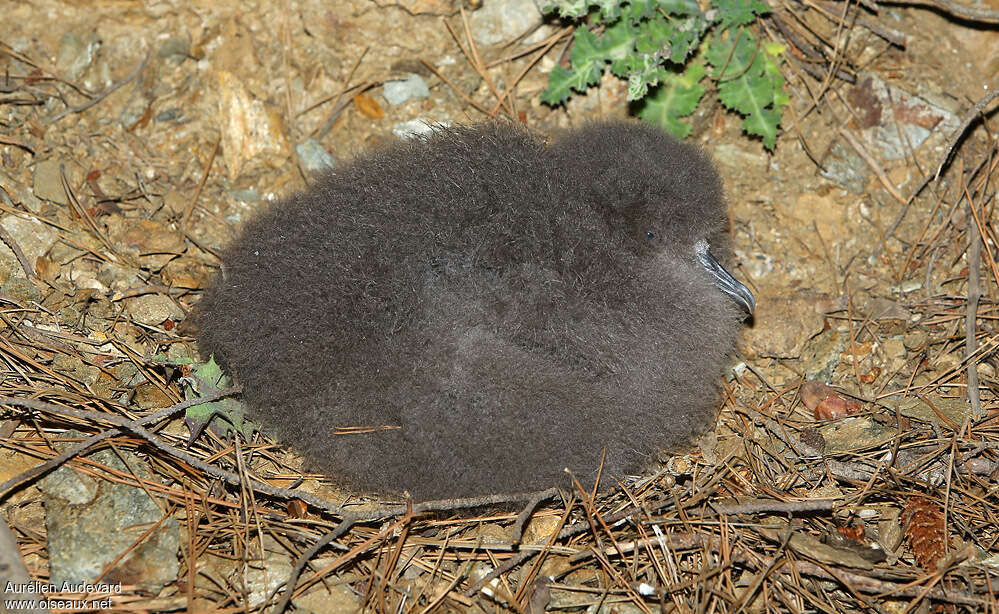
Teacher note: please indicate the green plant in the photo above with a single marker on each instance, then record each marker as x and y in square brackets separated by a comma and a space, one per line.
[665, 49]
[208, 376]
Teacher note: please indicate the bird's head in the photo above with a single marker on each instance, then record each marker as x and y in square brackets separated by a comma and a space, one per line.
[655, 195]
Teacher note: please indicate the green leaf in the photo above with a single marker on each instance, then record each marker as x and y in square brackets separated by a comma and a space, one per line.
[570, 9]
[731, 55]
[647, 42]
[739, 12]
[609, 9]
[208, 377]
[638, 11]
[677, 97]
[679, 7]
[589, 57]
[763, 123]
[749, 82]
[560, 82]
[639, 82]
[617, 41]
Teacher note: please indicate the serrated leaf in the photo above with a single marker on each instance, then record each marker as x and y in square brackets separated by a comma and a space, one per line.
[689, 33]
[609, 9]
[679, 7]
[764, 124]
[209, 377]
[639, 10]
[731, 55]
[747, 93]
[640, 82]
[676, 97]
[750, 82]
[655, 34]
[585, 47]
[588, 57]
[617, 41]
[570, 9]
[738, 12]
[561, 82]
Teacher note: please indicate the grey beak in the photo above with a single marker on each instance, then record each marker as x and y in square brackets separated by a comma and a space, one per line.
[723, 279]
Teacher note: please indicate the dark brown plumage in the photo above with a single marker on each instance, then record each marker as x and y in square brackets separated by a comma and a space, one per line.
[512, 308]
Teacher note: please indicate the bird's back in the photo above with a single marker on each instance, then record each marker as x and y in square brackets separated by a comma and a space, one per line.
[323, 279]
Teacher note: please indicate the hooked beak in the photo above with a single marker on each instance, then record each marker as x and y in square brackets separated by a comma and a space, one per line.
[723, 279]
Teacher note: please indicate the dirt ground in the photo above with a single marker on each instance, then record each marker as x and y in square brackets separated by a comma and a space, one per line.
[135, 138]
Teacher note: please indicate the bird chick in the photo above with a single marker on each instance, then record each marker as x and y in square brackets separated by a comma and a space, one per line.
[474, 312]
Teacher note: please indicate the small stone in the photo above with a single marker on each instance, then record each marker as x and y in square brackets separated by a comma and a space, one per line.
[251, 129]
[186, 272]
[170, 115]
[153, 309]
[314, 158]
[890, 530]
[540, 529]
[33, 237]
[149, 396]
[844, 165]
[892, 121]
[854, 433]
[20, 289]
[267, 573]
[492, 533]
[339, 598]
[916, 339]
[75, 367]
[76, 53]
[894, 348]
[151, 242]
[246, 196]
[74, 487]
[399, 91]
[48, 181]
[92, 522]
[175, 50]
[9, 267]
[502, 20]
[20, 193]
[955, 411]
[986, 370]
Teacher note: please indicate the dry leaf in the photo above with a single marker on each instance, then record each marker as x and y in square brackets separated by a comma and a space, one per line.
[297, 508]
[46, 269]
[856, 531]
[826, 403]
[368, 106]
[872, 375]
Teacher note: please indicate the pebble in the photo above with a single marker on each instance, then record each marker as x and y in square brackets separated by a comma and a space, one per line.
[153, 309]
[76, 53]
[48, 181]
[91, 522]
[502, 20]
[314, 158]
[399, 91]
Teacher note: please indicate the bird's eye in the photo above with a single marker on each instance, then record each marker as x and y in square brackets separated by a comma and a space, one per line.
[650, 235]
